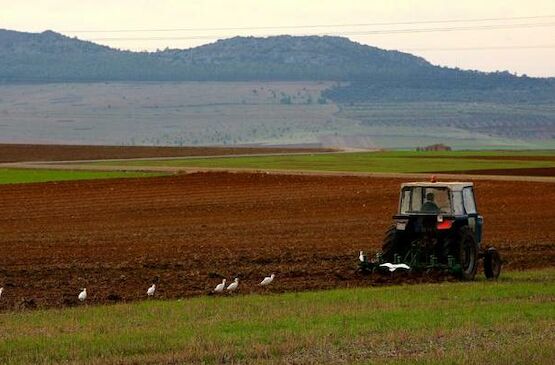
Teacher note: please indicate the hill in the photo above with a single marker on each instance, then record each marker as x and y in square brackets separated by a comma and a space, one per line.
[51, 56]
[373, 73]
[295, 58]
[282, 90]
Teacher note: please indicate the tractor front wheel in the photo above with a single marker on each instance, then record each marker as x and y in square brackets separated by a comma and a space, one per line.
[492, 263]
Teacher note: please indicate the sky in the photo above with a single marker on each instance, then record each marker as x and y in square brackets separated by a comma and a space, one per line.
[449, 33]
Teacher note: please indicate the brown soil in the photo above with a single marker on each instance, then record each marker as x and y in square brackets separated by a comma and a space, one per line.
[116, 237]
[532, 171]
[26, 152]
[513, 158]
[495, 158]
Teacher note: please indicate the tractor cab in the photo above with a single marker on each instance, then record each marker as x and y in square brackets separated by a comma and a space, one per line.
[442, 206]
[437, 226]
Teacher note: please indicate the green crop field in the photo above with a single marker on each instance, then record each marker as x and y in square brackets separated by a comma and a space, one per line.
[396, 162]
[509, 321]
[18, 176]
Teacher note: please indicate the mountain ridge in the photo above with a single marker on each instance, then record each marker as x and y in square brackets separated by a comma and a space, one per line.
[372, 73]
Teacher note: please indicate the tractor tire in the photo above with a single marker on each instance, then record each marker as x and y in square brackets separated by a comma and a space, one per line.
[492, 263]
[467, 250]
[390, 244]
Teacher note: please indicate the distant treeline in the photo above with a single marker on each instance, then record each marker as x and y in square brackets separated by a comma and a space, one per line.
[446, 85]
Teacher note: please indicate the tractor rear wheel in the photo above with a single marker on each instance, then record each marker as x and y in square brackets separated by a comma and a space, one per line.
[390, 244]
[492, 263]
[467, 253]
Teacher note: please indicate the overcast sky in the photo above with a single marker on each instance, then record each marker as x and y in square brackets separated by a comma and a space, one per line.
[520, 45]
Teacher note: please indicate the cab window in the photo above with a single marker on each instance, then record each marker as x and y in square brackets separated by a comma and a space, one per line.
[405, 201]
[468, 197]
[458, 207]
[425, 200]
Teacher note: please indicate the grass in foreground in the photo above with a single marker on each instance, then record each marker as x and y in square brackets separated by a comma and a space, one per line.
[18, 176]
[510, 321]
[395, 162]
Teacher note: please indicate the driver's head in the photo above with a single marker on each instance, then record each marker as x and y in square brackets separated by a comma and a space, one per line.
[430, 197]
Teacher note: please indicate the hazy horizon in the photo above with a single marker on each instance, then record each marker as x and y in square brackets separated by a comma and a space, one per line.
[496, 36]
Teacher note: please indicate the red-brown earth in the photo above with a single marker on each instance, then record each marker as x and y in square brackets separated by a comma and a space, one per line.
[116, 237]
[33, 152]
[528, 171]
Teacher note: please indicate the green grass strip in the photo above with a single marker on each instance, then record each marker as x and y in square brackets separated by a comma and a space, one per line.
[18, 176]
[393, 162]
[509, 321]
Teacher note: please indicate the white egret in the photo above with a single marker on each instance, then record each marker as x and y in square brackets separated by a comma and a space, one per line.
[267, 280]
[151, 290]
[388, 265]
[402, 266]
[392, 267]
[233, 286]
[1, 291]
[220, 287]
[83, 295]
[361, 256]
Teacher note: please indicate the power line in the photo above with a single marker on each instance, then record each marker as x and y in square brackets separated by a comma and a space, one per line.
[368, 32]
[479, 48]
[341, 25]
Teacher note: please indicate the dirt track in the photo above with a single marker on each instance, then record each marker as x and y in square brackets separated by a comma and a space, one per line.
[117, 236]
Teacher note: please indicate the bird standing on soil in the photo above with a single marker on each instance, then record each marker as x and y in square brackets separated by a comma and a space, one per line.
[1, 291]
[233, 286]
[267, 280]
[83, 295]
[151, 290]
[361, 256]
[220, 287]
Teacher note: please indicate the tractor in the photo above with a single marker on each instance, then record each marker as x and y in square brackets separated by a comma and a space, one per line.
[437, 227]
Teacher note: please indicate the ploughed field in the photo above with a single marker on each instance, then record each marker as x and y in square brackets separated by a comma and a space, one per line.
[52, 152]
[185, 232]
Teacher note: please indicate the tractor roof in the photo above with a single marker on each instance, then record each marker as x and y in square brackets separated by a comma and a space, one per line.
[449, 185]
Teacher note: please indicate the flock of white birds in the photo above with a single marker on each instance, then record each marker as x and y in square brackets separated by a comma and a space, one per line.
[220, 288]
[152, 289]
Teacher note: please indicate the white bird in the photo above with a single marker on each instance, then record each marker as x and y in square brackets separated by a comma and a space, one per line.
[267, 280]
[220, 287]
[388, 265]
[1, 291]
[392, 267]
[233, 286]
[361, 256]
[151, 290]
[83, 295]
